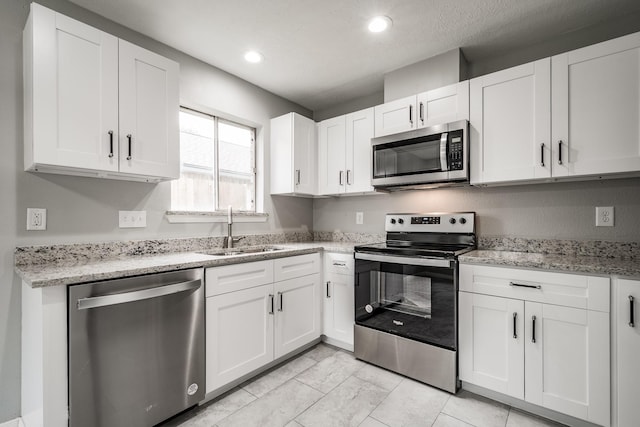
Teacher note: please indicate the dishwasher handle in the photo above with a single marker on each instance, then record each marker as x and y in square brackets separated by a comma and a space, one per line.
[95, 302]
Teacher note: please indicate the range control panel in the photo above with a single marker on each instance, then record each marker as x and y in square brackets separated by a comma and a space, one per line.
[454, 222]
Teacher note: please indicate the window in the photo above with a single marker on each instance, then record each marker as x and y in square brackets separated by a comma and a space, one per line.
[218, 165]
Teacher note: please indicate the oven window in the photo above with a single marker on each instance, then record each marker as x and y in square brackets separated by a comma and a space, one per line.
[415, 302]
[407, 157]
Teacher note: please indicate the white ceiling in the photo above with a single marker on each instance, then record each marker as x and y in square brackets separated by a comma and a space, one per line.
[319, 53]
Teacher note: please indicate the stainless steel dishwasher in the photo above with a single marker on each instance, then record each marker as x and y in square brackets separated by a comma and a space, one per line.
[136, 349]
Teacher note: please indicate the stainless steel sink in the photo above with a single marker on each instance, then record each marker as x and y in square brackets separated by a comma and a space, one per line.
[240, 251]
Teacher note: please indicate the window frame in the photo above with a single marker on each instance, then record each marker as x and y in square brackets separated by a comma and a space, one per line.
[216, 167]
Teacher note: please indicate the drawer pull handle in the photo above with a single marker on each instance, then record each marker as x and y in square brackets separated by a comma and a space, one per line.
[280, 295]
[515, 326]
[631, 314]
[328, 295]
[340, 264]
[521, 285]
[271, 302]
[533, 329]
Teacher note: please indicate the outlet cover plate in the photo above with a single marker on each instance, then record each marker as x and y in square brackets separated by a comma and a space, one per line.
[359, 218]
[36, 219]
[132, 219]
[604, 216]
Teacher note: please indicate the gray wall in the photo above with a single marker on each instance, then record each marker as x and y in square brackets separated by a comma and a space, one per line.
[86, 209]
[554, 210]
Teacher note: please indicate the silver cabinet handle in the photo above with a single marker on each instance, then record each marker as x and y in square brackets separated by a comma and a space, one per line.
[110, 143]
[411, 114]
[129, 139]
[270, 303]
[520, 285]
[515, 326]
[421, 112]
[280, 297]
[125, 297]
[340, 177]
[560, 152]
[542, 154]
[339, 263]
[349, 177]
[533, 329]
[328, 295]
[631, 314]
[297, 176]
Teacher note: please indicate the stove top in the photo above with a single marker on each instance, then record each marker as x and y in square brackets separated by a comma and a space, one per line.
[442, 235]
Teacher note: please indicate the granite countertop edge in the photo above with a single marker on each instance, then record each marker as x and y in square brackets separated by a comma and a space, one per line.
[62, 274]
[603, 266]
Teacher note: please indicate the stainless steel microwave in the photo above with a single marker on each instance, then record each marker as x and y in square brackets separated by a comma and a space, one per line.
[433, 156]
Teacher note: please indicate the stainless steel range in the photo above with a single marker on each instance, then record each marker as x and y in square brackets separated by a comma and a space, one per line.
[406, 296]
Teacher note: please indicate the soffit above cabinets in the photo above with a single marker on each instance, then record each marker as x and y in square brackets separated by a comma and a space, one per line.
[320, 53]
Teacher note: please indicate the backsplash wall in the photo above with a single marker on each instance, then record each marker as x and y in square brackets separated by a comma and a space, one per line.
[564, 210]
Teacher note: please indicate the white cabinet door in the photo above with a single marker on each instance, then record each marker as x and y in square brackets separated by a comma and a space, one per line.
[293, 155]
[71, 93]
[491, 343]
[359, 131]
[443, 105]
[339, 312]
[567, 360]
[395, 116]
[331, 156]
[511, 124]
[596, 108]
[297, 313]
[149, 105]
[627, 327]
[239, 334]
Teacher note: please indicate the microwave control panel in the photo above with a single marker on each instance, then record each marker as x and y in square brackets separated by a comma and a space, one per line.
[455, 150]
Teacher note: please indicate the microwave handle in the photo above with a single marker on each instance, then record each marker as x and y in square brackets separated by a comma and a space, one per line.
[444, 140]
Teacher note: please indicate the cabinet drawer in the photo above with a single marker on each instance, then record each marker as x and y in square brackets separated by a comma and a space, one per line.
[220, 280]
[335, 263]
[296, 266]
[571, 290]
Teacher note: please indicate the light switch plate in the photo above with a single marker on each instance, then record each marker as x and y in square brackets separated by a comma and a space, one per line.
[132, 219]
[359, 218]
[36, 219]
[604, 216]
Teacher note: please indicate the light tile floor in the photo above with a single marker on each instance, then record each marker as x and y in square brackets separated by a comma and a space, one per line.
[328, 387]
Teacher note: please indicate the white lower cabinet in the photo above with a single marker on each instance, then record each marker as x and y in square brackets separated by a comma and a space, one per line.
[537, 336]
[252, 320]
[626, 328]
[338, 300]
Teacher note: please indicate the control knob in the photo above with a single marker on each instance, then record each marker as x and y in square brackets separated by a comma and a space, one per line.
[400, 221]
[393, 221]
[452, 221]
[463, 220]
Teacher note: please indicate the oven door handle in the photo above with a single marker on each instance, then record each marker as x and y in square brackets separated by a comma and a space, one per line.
[428, 262]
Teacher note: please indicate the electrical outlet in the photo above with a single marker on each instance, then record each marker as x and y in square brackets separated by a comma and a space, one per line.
[359, 218]
[604, 216]
[36, 219]
[132, 219]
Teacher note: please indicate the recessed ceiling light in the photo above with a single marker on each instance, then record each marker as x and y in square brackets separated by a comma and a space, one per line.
[379, 24]
[253, 57]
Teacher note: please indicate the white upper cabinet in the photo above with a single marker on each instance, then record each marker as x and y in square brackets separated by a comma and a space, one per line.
[85, 91]
[596, 108]
[395, 116]
[431, 108]
[511, 124]
[293, 155]
[344, 153]
[443, 105]
[332, 150]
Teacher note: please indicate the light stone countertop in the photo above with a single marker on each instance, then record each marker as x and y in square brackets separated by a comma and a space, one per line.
[557, 262]
[73, 272]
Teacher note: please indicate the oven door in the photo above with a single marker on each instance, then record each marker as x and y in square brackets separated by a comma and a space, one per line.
[411, 297]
